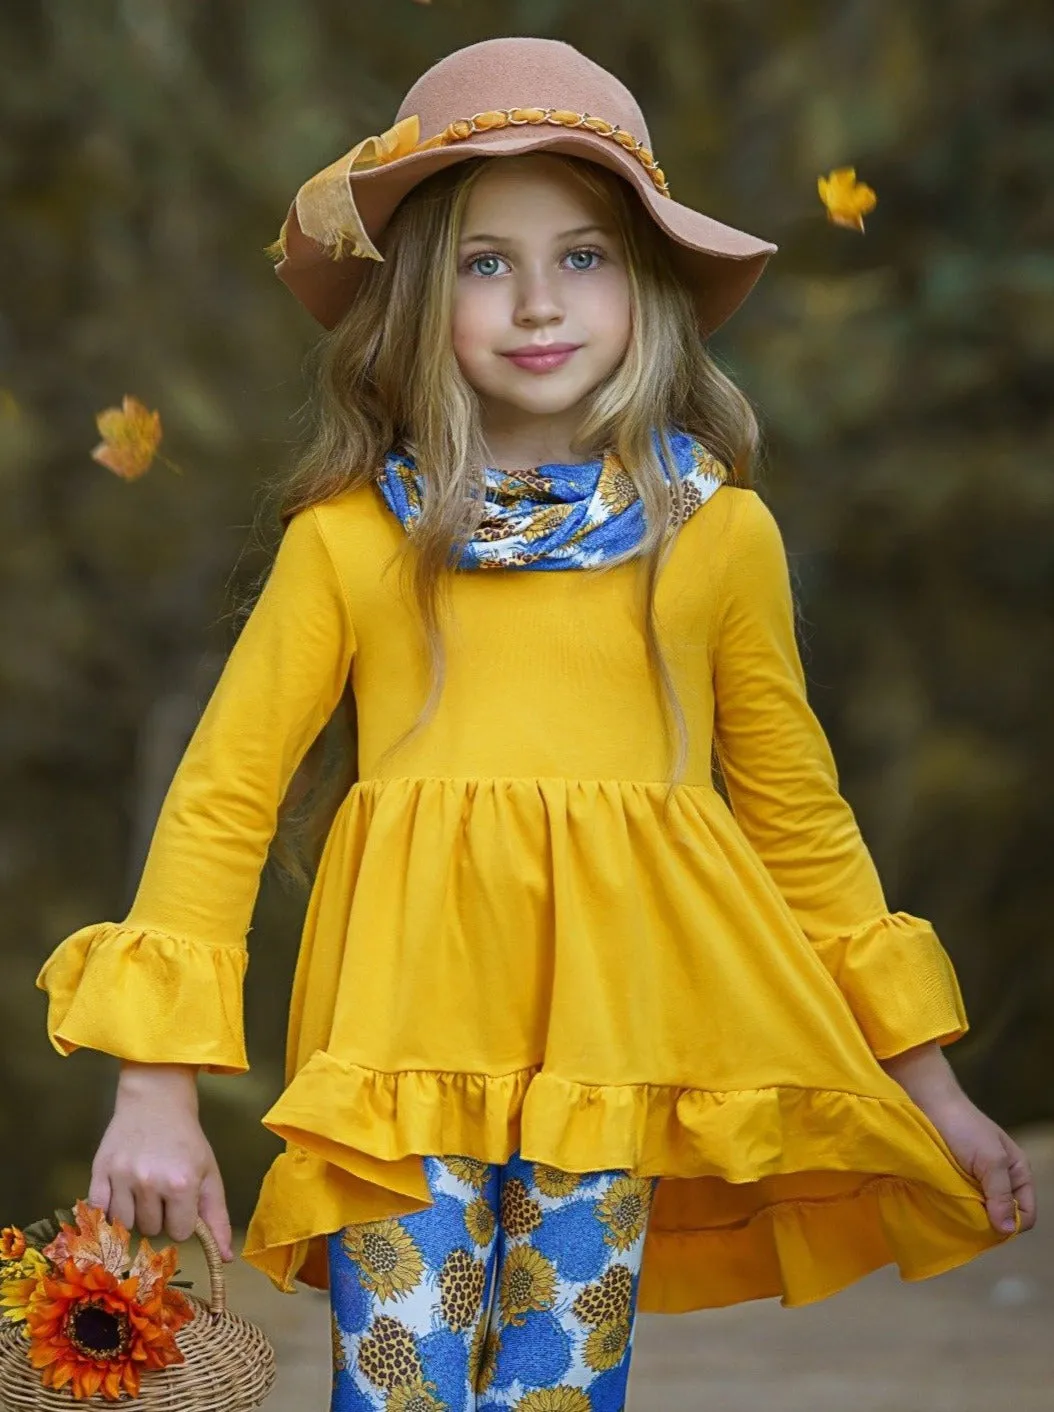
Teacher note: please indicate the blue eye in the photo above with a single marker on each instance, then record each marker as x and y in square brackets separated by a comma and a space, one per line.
[584, 259]
[486, 265]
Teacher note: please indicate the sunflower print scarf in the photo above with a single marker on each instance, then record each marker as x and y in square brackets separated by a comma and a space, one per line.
[557, 516]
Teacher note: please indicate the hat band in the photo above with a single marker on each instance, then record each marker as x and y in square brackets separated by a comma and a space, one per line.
[325, 207]
[463, 128]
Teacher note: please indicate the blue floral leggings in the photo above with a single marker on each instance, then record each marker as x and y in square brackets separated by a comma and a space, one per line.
[516, 1288]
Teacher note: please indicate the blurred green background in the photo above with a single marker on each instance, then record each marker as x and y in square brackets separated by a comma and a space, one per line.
[150, 150]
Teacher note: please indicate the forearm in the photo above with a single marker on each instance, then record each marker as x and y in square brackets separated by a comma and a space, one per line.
[925, 1075]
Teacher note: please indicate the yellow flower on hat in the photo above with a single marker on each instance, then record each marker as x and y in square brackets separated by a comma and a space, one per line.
[398, 141]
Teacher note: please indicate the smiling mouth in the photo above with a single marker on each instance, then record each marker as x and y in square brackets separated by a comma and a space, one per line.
[542, 358]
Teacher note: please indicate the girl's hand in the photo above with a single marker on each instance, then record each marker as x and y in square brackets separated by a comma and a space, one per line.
[979, 1146]
[154, 1169]
[992, 1157]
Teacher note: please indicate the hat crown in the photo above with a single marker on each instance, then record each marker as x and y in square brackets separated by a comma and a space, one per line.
[519, 73]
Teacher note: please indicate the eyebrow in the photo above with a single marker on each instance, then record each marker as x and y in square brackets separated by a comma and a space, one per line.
[510, 239]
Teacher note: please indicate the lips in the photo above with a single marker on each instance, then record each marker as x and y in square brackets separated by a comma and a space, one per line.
[542, 357]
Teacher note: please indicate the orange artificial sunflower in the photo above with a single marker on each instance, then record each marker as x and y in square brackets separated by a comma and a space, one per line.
[92, 1321]
[91, 1330]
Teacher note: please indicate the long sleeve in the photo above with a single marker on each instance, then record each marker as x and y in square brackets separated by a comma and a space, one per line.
[783, 786]
[165, 985]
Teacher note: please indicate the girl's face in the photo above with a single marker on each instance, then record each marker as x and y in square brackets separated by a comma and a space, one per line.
[542, 305]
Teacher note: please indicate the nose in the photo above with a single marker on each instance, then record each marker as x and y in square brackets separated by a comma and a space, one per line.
[537, 299]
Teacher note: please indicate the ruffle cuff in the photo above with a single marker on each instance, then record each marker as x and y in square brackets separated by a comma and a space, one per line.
[147, 997]
[899, 982]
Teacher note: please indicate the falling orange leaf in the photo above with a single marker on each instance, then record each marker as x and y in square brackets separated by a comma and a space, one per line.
[847, 201]
[130, 437]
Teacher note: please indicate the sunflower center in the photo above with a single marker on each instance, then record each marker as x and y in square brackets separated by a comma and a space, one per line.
[612, 1339]
[97, 1332]
[521, 1286]
[380, 1253]
[628, 1210]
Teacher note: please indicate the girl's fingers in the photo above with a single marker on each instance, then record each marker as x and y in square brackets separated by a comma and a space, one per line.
[122, 1203]
[149, 1217]
[212, 1207]
[1021, 1183]
[99, 1192]
[995, 1179]
[181, 1210]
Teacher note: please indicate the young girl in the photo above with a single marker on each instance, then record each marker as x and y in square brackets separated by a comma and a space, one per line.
[570, 1035]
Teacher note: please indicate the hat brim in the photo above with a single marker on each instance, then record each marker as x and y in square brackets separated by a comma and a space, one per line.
[719, 263]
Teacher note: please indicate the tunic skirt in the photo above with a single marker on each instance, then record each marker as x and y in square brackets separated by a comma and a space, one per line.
[520, 936]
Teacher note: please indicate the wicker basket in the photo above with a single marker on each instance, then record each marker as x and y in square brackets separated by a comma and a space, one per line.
[229, 1362]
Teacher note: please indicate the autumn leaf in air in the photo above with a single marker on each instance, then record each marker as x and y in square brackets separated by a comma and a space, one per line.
[847, 201]
[130, 435]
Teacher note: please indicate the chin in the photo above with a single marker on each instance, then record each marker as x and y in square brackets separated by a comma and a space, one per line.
[545, 401]
[546, 406]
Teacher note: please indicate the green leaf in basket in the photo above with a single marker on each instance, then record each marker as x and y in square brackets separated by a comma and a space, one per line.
[41, 1232]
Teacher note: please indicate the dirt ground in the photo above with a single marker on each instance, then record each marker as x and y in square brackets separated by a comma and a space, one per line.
[978, 1339]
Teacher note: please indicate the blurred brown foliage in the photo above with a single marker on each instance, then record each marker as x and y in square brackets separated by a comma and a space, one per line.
[150, 150]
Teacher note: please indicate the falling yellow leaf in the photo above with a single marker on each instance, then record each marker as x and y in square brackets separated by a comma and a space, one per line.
[847, 200]
[130, 437]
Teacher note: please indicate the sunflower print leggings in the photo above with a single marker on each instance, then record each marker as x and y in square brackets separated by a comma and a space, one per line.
[516, 1288]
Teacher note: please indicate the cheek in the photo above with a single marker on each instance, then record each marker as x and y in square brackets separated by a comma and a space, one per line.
[610, 313]
[472, 322]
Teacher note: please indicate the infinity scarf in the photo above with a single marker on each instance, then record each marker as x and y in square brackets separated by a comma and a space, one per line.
[557, 516]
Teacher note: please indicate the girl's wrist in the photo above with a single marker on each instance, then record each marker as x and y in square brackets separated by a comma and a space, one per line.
[172, 1081]
[925, 1075]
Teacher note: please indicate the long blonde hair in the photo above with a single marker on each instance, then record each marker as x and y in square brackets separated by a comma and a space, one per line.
[386, 376]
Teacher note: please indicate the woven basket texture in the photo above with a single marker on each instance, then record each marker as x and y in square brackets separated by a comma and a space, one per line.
[229, 1361]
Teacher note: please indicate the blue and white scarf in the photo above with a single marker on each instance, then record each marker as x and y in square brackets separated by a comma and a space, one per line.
[557, 516]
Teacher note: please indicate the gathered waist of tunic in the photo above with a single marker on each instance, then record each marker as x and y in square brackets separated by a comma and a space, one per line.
[377, 781]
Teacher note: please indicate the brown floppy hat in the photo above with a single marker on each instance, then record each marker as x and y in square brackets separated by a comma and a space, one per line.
[499, 98]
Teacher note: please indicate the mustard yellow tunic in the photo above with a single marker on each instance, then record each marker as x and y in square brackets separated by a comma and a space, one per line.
[510, 944]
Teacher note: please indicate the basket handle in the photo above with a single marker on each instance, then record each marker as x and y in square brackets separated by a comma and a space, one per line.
[217, 1283]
